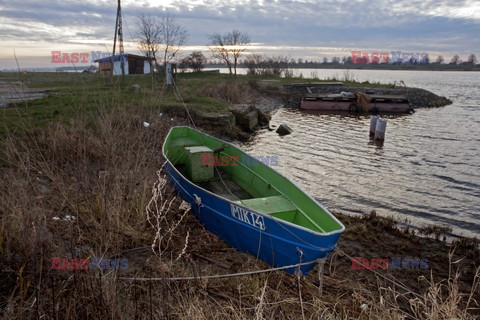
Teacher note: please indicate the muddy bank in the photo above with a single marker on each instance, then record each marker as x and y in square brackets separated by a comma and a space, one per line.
[238, 122]
[347, 292]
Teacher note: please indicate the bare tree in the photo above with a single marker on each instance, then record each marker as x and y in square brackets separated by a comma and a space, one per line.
[253, 63]
[440, 59]
[163, 35]
[150, 37]
[274, 66]
[228, 47]
[173, 37]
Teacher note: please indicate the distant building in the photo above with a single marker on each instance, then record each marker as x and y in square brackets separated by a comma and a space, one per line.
[133, 64]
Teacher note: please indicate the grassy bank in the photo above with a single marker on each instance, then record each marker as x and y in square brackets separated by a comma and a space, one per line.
[76, 95]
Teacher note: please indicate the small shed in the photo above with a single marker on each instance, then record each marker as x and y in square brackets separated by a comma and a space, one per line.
[133, 64]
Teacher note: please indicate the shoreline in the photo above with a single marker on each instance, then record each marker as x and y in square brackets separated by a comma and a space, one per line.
[268, 100]
[468, 68]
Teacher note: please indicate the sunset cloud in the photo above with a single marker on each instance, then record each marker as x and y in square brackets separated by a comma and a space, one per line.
[308, 29]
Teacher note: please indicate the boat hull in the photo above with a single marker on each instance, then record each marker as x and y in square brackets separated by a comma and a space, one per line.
[272, 240]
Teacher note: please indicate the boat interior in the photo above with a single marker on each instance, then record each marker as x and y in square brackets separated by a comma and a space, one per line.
[243, 180]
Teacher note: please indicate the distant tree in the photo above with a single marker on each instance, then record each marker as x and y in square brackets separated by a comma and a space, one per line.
[455, 59]
[349, 60]
[300, 60]
[275, 66]
[472, 59]
[344, 59]
[425, 60]
[335, 60]
[413, 60]
[439, 59]
[325, 60]
[195, 61]
[228, 47]
[252, 63]
[183, 65]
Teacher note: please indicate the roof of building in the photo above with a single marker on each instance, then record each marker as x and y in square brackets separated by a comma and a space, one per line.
[117, 57]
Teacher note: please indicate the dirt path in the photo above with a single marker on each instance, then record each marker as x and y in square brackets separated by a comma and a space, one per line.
[16, 91]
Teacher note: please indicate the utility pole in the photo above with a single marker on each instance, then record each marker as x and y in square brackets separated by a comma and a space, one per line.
[119, 32]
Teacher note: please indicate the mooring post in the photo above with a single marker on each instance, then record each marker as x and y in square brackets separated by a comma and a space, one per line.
[380, 129]
[373, 124]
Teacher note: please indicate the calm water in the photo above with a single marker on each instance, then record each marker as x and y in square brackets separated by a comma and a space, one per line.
[428, 169]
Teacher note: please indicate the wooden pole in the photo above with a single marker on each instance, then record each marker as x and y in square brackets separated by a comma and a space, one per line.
[115, 39]
[373, 124]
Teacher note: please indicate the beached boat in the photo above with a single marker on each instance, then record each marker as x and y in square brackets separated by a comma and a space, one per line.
[247, 203]
[338, 102]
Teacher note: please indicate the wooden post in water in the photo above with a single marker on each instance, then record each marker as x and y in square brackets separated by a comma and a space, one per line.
[380, 129]
[373, 124]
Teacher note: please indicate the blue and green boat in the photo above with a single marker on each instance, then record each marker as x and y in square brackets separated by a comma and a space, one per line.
[248, 204]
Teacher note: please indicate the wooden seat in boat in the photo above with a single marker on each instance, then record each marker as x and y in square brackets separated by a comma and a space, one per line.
[269, 205]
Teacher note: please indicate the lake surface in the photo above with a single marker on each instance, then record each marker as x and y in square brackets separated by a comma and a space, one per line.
[428, 169]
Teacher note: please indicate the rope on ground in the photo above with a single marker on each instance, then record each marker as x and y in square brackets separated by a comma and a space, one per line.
[321, 265]
[179, 96]
[219, 276]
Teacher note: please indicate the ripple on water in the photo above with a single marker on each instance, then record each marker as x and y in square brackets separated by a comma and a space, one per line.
[426, 171]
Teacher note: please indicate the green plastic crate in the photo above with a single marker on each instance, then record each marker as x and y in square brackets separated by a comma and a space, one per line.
[195, 170]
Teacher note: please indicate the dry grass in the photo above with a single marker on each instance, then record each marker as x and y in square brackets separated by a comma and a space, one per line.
[101, 172]
[229, 90]
[434, 230]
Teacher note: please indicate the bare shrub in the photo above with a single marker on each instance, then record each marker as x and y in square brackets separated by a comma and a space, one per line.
[276, 66]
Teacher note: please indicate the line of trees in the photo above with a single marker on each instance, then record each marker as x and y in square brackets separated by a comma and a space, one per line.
[471, 60]
[160, 38]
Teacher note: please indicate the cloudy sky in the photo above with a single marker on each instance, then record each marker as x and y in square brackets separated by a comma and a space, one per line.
[298, 28]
